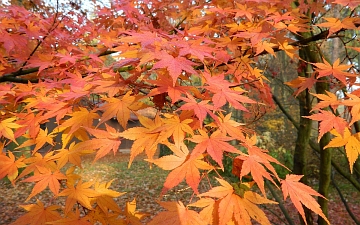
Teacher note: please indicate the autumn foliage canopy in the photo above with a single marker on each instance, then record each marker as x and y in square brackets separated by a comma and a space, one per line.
[185, 59]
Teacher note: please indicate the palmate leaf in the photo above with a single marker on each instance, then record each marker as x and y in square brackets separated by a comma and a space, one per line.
[145, 138]
[183, 166]
[351, 143]
[80, 118]
[164, 85]
[230, 207]
[132, 215]
[337, 70]
[44, 179]
[105, 199]
[72, 218]
[214, 145]
[81, 193]
[328, 121]
[175, 65]
[223, 94]
[201, 109]
[301, 194]
[176, 213]
[104, 142]
[6, 127]
[9, 166]
[38, 214]
[175, 127]
[120, 108]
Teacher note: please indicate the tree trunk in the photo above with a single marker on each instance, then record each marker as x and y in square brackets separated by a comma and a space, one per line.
[303, 134]
[314, 56]
[325, 161]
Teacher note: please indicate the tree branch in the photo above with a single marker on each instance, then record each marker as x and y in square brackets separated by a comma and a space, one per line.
[344, 201]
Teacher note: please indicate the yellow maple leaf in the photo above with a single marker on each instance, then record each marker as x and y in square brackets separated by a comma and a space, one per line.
[351, 143]
[265, 46]
[6, 127]
[105, 199]
[145, 138]
[133, 216]
[80, 118]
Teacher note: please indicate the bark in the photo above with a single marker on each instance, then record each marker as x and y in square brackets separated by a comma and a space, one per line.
[303, 135]
[325, 161]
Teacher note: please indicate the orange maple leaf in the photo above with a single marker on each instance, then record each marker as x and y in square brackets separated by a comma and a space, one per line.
[300, 194]
[9, 166]
[207, 205]
[265, 46]
[176, 213]
[41, 139]
[183, 166]
[288, 49]
[44, 179]
[231, 127]
[80, 118]
[120, 108]
[222, 92]
[73, 155]
[328, 99]
[214, 145]
[175, 65]
[104, 142]
[38, 214]
[72, 218]
[201, 109]
[328, 121]
[354, 103]
[337, 70]
[231, 206]
[145, 138]
[164, 85]
[302, 83]
[335, 24]
[81, 193]
[174, 126]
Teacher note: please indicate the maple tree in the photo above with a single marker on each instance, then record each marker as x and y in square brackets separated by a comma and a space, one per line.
[186, 59]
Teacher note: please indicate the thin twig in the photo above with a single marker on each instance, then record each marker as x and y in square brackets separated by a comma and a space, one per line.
[344, 201]
[281, 205]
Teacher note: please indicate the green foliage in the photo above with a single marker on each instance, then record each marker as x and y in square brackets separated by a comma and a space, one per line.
[285, 157]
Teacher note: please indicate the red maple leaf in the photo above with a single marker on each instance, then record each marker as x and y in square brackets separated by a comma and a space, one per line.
[201, 109]
[328, 121]
[214, 145]
[175, 65]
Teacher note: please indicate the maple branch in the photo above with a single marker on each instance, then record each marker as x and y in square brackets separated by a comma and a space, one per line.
[320, 36]
[295, 124]
[51, 29]
[11, 76]
[174, 31]
[17, 80]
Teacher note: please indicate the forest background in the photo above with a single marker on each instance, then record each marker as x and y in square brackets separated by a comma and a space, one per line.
[262, 95]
